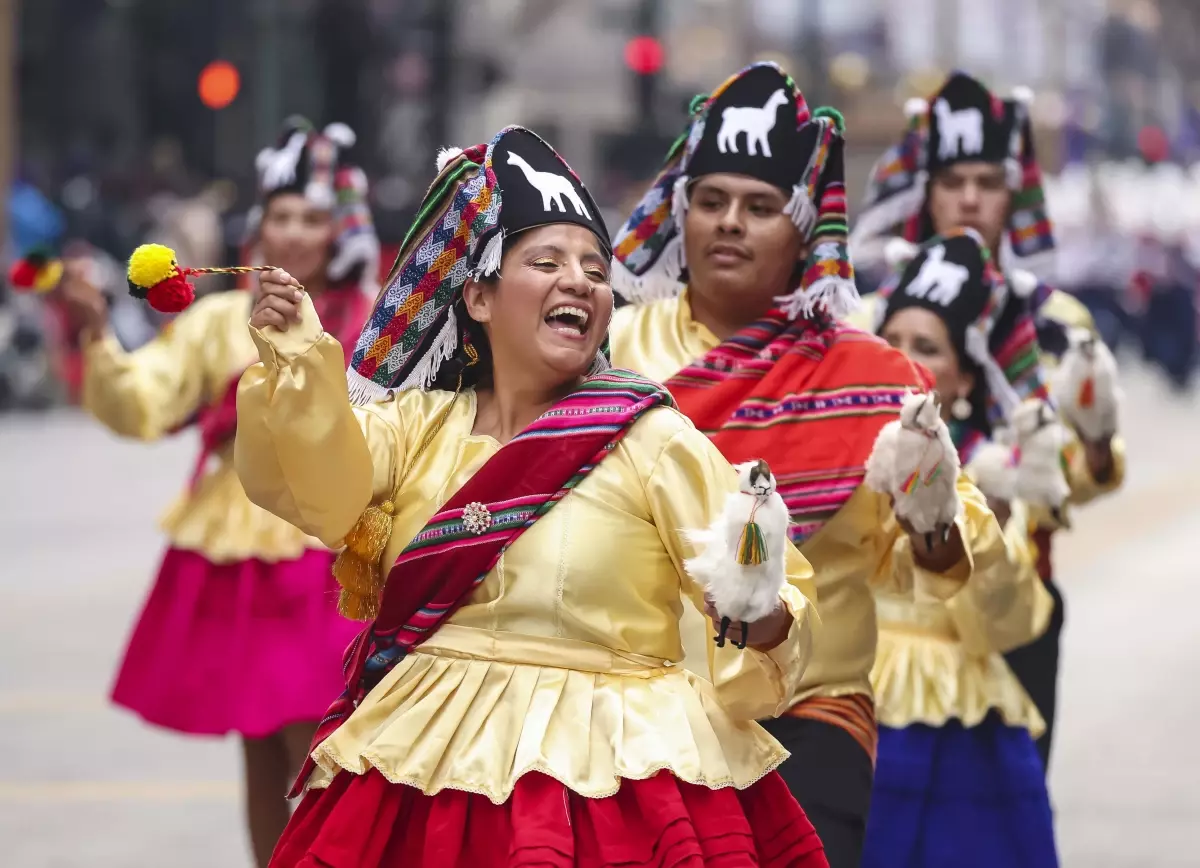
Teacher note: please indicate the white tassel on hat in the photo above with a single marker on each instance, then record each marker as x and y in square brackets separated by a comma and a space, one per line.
[445, 156]
[341, 135]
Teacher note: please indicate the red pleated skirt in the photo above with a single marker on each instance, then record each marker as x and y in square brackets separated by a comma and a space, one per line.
[362, 821]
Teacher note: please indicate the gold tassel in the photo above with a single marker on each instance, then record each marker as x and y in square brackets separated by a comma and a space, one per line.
[357, 566]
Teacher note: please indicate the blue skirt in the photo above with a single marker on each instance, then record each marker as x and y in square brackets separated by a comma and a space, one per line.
[950, 796]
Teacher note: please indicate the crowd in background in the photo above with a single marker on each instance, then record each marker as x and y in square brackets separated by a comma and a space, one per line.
[114, 148]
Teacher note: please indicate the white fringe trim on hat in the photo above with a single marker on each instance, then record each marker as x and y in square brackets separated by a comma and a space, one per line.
[837, 296]
[363, 391]
[661, 280]
[801, 209]
[443, 348]
[998, 385]
[489, 260]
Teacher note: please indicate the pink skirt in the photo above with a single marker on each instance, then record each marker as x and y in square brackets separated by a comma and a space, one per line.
[247, 647]
[362, 821]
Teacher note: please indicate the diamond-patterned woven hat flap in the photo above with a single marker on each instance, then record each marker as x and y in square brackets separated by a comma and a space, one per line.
[480, 196]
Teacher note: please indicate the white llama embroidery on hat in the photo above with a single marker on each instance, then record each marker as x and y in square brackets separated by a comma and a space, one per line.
[958, 131]
[938, 280]
[755, 122]
[552, 187]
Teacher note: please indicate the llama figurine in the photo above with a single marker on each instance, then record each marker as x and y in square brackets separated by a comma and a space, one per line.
[742, 562]
[1040, 439]
[1085, 385]
[914, 461]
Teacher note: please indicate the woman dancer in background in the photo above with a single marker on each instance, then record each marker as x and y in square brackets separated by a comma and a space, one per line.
[240, 632]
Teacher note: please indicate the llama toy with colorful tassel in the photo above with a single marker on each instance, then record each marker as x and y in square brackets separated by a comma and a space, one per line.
[1041, 441]
[1085, 386]
[915, 463]
[741, 564]
[156, 277]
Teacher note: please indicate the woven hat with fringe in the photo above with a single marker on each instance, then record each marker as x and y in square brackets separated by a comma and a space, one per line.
[757, 124]
[988, 317]
[962, 122]
[313, 164]
[481, 196]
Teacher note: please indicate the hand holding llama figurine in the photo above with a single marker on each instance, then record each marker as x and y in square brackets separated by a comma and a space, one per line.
[1040, 438]
[1085, 386]
[914, 462]
[741, 561]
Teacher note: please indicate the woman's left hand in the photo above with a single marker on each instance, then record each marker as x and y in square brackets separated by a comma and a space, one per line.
[765, 633]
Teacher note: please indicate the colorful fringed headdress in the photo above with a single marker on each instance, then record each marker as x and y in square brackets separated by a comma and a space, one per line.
[314, 165]
[963, 122]
[758, 124]
[988, 317]
[481, 196]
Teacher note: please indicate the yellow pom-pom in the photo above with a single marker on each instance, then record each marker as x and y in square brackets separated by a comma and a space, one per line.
[151, 264]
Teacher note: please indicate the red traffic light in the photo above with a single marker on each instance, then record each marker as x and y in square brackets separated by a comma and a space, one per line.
[644, 55]
[218, 84]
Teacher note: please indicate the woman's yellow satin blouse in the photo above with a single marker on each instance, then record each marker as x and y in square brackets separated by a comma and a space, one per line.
[149, 392]
[565, 660]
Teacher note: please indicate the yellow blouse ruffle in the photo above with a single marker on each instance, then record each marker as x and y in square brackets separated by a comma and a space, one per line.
[439, 721]
[565, 658]
[924, 674]
[147, 393]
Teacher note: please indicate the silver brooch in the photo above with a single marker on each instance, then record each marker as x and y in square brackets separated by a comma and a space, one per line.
[476, 518]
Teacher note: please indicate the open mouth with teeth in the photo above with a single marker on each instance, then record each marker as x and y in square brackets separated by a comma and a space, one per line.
[568, 320]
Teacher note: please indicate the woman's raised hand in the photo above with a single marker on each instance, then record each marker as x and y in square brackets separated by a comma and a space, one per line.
[278, 302]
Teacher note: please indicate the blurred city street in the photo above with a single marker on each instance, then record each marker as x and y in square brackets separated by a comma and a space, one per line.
[85, 784]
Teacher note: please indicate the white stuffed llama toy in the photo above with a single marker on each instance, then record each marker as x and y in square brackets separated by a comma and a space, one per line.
[741, 561]
[915, 462]
[1085, 386]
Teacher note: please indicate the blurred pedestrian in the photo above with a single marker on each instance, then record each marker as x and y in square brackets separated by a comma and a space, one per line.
[240, 632]
[967, 159]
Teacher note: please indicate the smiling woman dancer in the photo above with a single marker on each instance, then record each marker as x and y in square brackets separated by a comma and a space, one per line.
[517, 698]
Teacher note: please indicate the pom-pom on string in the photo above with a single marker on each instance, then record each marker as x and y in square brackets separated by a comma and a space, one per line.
[37, 271]
[155, 276]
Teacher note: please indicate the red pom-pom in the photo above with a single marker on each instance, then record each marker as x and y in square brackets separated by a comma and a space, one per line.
[23, 274]
[171, 295]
